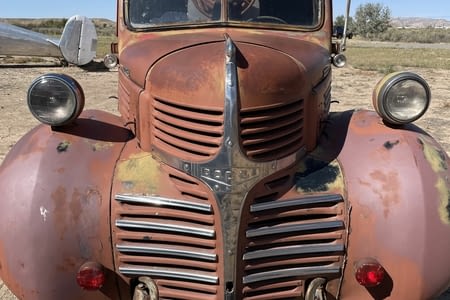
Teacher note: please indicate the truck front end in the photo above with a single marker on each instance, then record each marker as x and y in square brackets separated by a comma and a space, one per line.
[226, 175]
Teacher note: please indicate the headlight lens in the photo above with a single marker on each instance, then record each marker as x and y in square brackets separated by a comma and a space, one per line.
[55, 99]
[401, 98]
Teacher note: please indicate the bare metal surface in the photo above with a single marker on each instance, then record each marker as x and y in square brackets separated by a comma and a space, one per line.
[19, 41]
[77, 45]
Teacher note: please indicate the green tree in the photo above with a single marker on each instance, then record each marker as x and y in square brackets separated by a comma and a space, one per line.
[372, 19]
[340, 21]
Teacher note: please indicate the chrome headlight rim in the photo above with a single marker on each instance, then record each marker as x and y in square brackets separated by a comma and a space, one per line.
[386, 85]
[73, 89]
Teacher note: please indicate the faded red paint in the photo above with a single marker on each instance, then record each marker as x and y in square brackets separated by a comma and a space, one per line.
[368, 191]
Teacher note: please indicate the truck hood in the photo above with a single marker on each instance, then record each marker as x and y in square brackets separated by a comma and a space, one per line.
[138, 58]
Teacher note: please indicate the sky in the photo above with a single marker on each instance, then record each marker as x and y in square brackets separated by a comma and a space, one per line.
[107, 8]
[435, 9]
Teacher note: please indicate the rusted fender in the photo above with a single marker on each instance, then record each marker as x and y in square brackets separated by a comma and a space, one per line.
[54, 209]
[398, 192]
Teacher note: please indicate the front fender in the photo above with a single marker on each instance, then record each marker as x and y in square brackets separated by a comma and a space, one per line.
[54, 209]
[397, 182]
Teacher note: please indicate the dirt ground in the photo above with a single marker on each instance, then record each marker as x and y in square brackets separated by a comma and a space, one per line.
[351, 87]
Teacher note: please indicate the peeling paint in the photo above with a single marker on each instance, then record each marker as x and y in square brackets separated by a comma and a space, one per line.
[434, 156]
[439, 164]
[44, 213]
[139, 173]
[444, 199]
[321, 177]
[97, 147]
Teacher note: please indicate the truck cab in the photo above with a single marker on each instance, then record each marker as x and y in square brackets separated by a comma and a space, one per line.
[226, 175]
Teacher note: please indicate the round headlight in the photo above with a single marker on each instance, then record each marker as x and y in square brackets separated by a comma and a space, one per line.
[110, 61]
[401, 98]
[55, 99]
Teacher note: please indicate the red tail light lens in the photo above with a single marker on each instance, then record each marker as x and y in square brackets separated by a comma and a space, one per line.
[91, 276]
[369, 272]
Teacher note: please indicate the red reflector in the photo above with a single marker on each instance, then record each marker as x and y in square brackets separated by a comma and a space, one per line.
[90, 276]
[369, 272]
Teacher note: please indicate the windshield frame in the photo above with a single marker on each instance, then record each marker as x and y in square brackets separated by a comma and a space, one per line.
[224, 21]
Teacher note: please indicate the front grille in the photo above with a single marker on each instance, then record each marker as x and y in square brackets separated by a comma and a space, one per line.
[187, 131]
[270, 133]
[291, 241]
[172, 241]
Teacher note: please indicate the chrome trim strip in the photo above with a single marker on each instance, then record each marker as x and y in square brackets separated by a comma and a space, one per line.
[260, 207]
[265, 231]
[293, 272]
[174, 229]
[292, 250]
[162, 201]
[177, 252]
[229, 175]
[177, 274]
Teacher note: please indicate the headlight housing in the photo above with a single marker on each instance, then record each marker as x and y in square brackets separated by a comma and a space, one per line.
[401, 98]
[55, 99]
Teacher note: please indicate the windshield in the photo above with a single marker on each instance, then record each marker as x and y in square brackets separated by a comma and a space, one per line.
[153, 13]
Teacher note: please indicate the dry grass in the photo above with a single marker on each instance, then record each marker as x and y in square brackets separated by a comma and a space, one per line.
[104, 45]
[386, 60]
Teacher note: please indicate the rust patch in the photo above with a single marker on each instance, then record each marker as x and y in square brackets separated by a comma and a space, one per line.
[60, 208]
[63, 146]
[389, 145]
[388, 191]
[76, 205]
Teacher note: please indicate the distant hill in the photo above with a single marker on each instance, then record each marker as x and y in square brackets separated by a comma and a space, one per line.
[54, 26]
[414, 22]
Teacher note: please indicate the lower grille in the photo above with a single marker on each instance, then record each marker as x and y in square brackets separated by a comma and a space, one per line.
[172, 241]
[291, 241]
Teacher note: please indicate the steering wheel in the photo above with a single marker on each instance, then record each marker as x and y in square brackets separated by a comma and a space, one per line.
[267, 19]
[206, 6]
[246, 4]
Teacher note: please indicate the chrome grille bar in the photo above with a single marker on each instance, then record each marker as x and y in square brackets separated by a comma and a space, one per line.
[313, 200]
[170, 228]
[293, 250]
[163, 251]
[296, 228]
[174, 274]
[161, 201]
[292, 272]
